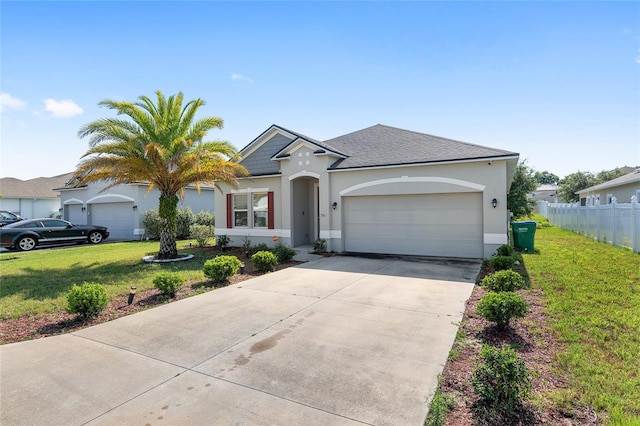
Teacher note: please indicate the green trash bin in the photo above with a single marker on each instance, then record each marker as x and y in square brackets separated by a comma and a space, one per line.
[523, 235]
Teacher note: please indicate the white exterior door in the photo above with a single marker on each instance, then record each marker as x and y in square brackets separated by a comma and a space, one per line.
[117, 217]
[448, 225]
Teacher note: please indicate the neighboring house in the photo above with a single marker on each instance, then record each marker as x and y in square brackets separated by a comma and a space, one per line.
[32, 198]
[545, 192]
[377, 190]
[622, 188]
[122, 208]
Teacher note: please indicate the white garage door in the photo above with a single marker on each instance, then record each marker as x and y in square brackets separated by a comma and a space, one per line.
[118, 217]
[447, 225]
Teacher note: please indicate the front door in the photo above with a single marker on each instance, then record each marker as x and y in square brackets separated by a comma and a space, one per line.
[304, 211]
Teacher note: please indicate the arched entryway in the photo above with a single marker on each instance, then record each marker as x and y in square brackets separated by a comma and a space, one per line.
[305, 215]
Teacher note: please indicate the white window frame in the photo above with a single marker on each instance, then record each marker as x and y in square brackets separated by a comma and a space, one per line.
[609, 198]
[240, 210]
[255, 209]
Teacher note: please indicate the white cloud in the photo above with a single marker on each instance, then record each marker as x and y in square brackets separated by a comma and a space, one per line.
[9, 102]
[235, 76]
[63, 108]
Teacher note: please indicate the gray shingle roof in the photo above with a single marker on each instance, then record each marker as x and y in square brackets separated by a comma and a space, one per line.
[42, 187]
[381, 145]
[634, 176]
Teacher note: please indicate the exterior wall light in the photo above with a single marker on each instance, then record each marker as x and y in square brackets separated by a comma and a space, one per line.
[334, 205]
[135, 207]
[83, 208]
[494, 203]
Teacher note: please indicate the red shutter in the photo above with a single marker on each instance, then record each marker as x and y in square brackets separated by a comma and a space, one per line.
[270, 221]
[229, 211]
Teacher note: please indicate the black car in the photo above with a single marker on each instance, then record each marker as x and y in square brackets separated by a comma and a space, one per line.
[27, 234]
[6, 217]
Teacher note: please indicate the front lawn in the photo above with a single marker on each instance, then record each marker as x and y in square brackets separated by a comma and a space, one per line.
[35, 284]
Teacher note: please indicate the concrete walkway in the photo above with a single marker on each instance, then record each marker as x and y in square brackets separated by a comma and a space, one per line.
[335, 341]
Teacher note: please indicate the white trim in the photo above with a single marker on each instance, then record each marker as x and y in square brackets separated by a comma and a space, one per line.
[110, 198]
[275, 175]
[297, 143]
[265, 136]
[435, 163]
[304, 173]
[496, 239]
[254, 232]
[421, 179]
[73, 201]
[249, 190]
[331, 234]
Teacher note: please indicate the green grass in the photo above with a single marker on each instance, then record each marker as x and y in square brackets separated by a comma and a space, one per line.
[593, 294]
[37, 282]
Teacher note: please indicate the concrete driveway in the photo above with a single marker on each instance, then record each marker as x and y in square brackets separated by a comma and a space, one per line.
[336, 341]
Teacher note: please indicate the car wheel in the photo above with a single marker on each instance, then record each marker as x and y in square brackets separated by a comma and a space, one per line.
[95, 237]
[26, 243]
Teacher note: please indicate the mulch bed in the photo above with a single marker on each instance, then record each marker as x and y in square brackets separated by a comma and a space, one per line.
[36, 327]
[534, 342]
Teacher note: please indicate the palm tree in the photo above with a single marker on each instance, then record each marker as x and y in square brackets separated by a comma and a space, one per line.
[161, 145]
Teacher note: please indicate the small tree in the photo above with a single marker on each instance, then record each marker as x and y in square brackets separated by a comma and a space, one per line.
[573, 183]
[524, 183]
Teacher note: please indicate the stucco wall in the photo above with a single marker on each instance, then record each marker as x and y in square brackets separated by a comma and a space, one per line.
[134, 194]
[31, 208]
[488, 178]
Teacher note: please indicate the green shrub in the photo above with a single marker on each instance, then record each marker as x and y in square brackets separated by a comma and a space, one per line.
[501, 307]
[205, 218]
[504, 250]
[220, 268]
[184, 220]
[168, 283]
[505, 280]
[222, 241]
[284, 253]
[152, 224]
[499, 263]
[201, 233]
[320, 246]
[87, 300]
[264, 261]
[260, 247]
[502, 380]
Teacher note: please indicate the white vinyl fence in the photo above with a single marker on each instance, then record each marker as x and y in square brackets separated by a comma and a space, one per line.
[615, 223]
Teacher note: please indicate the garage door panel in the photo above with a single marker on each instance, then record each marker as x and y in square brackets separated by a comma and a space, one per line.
[429, 225]
[117, 217]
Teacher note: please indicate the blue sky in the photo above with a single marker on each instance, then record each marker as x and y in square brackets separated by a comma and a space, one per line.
[557, 82]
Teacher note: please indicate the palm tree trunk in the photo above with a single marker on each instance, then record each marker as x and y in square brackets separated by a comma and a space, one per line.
[168, 212]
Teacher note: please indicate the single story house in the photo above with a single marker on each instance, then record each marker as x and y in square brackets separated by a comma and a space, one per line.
[622, 188]
[376, 190]
[545, 192]
[122, 208]
[32, 198]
